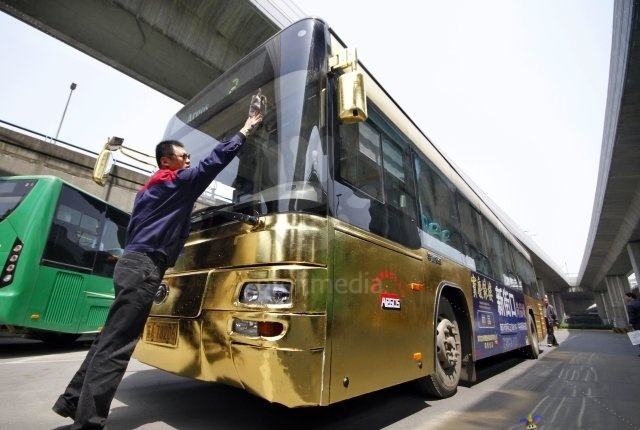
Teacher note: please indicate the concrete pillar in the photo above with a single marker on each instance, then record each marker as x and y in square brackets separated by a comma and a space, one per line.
[605, 310]
[633, 249]
[616, 287]
[541, 287]
[556, 301]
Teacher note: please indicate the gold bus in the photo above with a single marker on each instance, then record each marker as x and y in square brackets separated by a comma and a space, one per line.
[340, 253]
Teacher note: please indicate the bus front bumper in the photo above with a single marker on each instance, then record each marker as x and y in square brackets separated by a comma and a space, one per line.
[286, 369]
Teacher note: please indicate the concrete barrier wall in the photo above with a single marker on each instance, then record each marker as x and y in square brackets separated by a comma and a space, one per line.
[21, 154]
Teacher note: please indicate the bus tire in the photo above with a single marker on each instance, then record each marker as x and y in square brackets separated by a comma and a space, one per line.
[448, 355]
[533, 351]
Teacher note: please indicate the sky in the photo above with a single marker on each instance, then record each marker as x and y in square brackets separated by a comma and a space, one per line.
[512, 91]
[35, 78]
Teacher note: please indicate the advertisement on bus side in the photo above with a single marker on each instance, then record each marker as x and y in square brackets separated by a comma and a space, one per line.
[499, 317]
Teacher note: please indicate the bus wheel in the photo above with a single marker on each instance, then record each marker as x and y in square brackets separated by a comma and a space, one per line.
[534, 348]
[444, 381]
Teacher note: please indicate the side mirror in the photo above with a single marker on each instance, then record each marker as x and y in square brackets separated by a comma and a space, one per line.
[103, 167]
[105, 161]
[352, 99]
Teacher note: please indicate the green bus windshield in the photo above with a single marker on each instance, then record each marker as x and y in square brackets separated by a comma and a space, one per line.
[12, 192]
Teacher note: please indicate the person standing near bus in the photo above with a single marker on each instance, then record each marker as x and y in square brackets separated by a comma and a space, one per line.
[633, 311]
[551, 319]
[156, 234]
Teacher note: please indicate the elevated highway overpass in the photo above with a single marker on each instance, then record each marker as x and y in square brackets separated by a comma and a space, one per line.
[177, 47]
[613, 246]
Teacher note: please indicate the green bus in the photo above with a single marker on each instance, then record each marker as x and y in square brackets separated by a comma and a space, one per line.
[58, 249]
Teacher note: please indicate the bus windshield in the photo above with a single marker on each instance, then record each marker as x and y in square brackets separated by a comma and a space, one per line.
[12, 192]
[282, 166]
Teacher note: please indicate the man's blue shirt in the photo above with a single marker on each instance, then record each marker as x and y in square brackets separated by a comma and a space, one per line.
[162, 209]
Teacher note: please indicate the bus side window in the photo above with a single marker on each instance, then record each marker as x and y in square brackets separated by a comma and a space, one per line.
[525, 272]
[472, 232]
[73, 236]
[112, 242]
[437, 204]
[360, 158]
[494, 246]
[62, 242]
[398, 180]
[399, 195]
[64, 214]
[61, 247]
[87, 232]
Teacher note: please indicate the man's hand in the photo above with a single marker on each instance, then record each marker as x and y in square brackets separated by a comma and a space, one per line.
[251, 123]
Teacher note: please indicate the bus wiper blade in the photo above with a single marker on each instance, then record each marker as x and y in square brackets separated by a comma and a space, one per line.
[223, 210]
[237, 216]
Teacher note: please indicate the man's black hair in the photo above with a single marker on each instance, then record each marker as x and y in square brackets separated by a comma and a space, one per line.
[165, 149]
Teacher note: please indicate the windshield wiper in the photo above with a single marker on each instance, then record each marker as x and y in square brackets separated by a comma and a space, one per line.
[236, 216]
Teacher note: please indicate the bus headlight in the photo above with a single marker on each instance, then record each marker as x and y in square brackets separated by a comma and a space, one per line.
[266, 293]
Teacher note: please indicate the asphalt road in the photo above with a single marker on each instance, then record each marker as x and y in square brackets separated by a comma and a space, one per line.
[591, 381]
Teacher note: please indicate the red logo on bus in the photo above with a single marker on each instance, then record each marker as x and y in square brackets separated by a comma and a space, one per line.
[389, 301]
[390, 289]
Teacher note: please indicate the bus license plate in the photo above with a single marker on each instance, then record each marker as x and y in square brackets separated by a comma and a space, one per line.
[161, 332]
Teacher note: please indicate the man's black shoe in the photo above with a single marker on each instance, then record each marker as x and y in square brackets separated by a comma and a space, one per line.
[62, 408]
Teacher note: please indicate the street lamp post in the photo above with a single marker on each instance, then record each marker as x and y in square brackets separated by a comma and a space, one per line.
[73, 87]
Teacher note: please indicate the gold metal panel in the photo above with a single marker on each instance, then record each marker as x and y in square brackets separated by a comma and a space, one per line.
[287, 370]
[186, 291]
[373, 345]
[293, 357]
[282, 238]
[292, 378]
[183, 359]
[537, 307]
